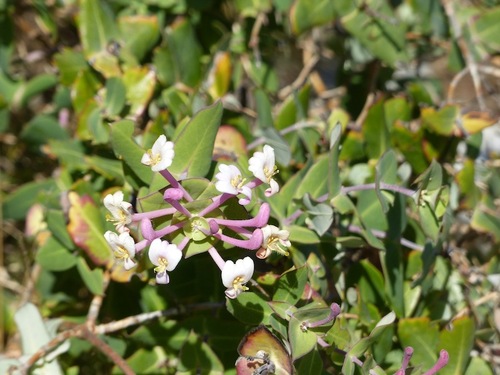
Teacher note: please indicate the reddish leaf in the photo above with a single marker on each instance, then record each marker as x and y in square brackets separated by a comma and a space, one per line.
[262, 350]
[86, 228]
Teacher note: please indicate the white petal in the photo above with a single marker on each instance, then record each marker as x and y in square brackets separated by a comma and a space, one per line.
[269, 156]
[162, 278]
[247, 268]
[128, 243]
[146, 159]
[256, 166]
[111, 237]
[273, 189]
[231, 293]
[225, 186]
[174, 255]
[128, 264]
[158, 145]
[157, 249]
[228, 274]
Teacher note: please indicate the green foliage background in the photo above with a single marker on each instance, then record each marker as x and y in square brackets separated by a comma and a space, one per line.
[382, 114]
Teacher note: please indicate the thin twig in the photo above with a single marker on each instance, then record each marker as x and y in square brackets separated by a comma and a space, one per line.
[491, 296]
[370, 99]
[382, 235]
[89, 333]
[254, 36]
[301, 78]
[382, 186]
[107, 351]
[454, 83]
[95, 305]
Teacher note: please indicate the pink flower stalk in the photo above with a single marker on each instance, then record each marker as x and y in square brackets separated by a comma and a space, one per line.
[253, 243]
[154, 214]
[175, 184]
[172, 196]
[169, 229]
[441, 362]
[406, 361]
[257, 222]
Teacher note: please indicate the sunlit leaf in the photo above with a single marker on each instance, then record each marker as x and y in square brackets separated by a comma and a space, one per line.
[458, 342]
[96, 26]
[194, 145]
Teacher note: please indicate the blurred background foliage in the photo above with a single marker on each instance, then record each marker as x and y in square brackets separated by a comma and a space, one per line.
[86, 85]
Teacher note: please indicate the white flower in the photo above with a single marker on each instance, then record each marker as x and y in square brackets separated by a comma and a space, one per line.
[160, 156]
[275, 239]
[230, 181]
[120, 211]
[123, 247]
[234, 276]
[165, 257]
[263, 166]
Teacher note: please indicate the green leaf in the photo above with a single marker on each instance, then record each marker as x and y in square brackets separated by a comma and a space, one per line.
[386, 172]
[43, 128]
[69, 63]
[197, 357]
[115, 96]
[249, 308]
[315, 182]
[93, 279]
[281, 147]
[375, 131]
[54, 256]
[33, 87]
[422, 336]
[86, 228]
[441, 121]
[320, 215]
[432, 178]
[334, 182]
[56, 223]
[140, 84]
[311, 363]
[125, 148]
[392, 265]
[145, 361]
[484, 218]
[185, 61]
[486, 29]
[306, 14]
[96, 26]
[194, 145]
[16, 204]
[458, 342]
[140, 33]
[108, 168]
[362, 345]
[291, 286]
[263, 106]
[303, 235]
[301, 341]
[69, 152]
[380, 35]
[478, 365]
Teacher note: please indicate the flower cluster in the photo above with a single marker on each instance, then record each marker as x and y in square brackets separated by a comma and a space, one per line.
[199, 226]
